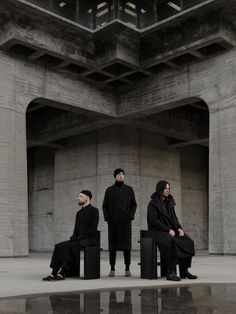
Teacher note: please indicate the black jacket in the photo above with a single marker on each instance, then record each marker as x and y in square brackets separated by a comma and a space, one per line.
[160, 221]
[86, 223]
[119, 207]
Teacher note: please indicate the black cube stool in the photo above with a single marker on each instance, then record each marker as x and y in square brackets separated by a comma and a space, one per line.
[91, 262]
[148, 256]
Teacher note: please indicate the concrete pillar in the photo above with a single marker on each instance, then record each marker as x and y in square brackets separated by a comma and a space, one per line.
[13, 184]
[13, 163]
[222, 179]
[228, 163]
[21, 242]
[215, 186]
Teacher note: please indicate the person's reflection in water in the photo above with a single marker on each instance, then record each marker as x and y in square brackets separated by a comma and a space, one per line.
[187, 299]
[120, 307]
[85, 303]
[177, 301]
[149, 301]
[65, 304]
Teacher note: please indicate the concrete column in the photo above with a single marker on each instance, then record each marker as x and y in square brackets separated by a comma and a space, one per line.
[13, 170]
[228, 155]
[13, 184]
[20, 220]
[222, 179]
[215, 186]
[7, 191]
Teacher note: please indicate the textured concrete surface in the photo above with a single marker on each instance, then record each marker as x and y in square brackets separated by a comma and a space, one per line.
[88, 162]
[22, 276]
[208, 80]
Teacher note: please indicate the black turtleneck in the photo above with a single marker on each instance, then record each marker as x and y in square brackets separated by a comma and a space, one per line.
[119, 183]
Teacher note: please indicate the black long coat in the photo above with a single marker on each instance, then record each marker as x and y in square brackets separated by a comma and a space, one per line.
[86, 223]
[119, 207]
[67, 254]
[160, 221]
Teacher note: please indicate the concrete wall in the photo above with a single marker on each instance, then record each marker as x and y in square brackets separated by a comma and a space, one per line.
[88, 162]
[20, 83]
[212, 80]
[41, 198]
[194, 183]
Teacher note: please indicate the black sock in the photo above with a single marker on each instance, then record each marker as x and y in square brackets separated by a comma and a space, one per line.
[127, 268]
[112, 268]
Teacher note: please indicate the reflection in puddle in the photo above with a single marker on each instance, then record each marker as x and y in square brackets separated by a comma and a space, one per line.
[204, 299]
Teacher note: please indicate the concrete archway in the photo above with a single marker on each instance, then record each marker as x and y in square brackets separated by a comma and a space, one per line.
[70, 149]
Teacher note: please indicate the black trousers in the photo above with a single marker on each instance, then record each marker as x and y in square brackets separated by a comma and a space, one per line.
[173, 257]
[127, 258]
[184, 263]
[66, 255]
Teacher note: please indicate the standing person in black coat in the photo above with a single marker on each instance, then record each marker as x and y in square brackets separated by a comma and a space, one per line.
[119, 208]
[174, 244]
[66, 255]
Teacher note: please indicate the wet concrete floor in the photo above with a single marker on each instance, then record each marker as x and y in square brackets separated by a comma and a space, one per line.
[192, 299]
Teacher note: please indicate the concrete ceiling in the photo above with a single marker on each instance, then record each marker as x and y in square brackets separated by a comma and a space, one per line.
[51, 126]
[117, 54]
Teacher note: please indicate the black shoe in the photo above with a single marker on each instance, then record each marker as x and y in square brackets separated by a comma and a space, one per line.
[188, 275]
[172, 276]
[49, 278]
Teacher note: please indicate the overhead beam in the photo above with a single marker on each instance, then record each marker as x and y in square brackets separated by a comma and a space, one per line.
[36, 55]
[62, 133]
[32, 143]
[197, 54]
[200, 141]
[181, 124]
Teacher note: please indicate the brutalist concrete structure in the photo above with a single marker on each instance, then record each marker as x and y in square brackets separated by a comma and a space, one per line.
[88, 86]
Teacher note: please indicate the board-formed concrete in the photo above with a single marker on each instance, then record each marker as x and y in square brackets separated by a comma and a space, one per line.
[143, 127]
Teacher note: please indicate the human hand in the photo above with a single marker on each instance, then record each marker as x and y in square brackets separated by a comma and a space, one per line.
[172, 233]
[181, 232]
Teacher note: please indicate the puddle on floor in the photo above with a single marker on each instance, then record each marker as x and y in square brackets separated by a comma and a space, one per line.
[200, 298]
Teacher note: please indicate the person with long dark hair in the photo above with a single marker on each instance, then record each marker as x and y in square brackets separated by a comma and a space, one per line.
[174, 244]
